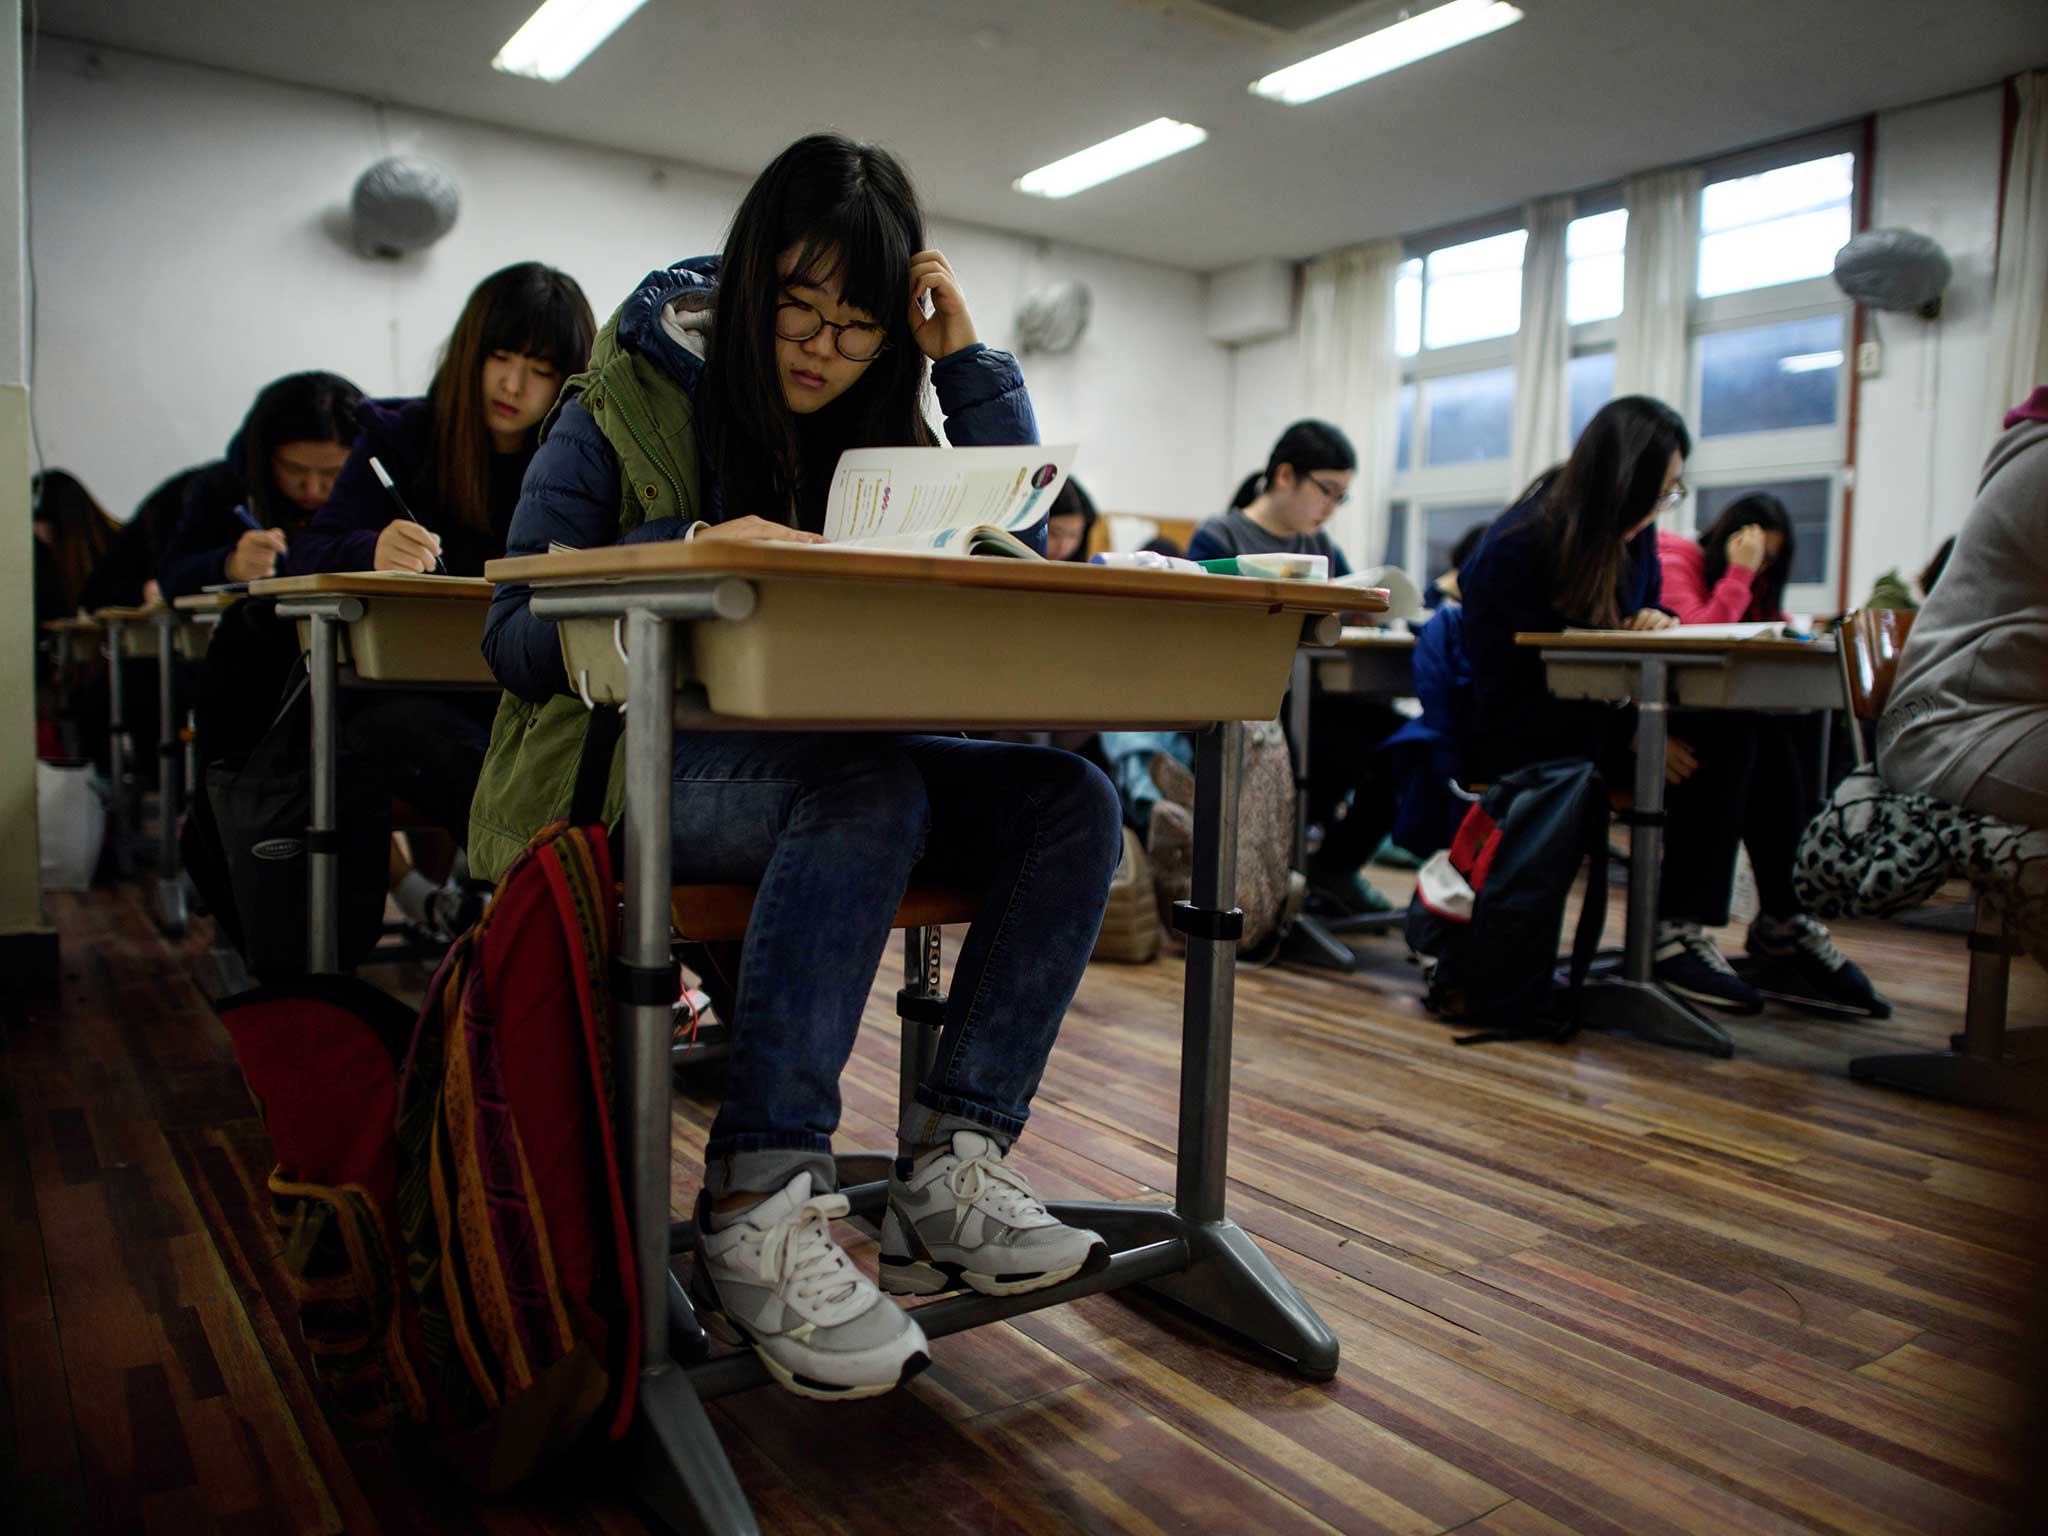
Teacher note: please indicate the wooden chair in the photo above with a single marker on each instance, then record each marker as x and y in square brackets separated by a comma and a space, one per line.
[1979, 1066]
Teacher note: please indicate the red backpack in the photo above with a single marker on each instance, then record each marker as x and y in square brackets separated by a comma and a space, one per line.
[448, 1188]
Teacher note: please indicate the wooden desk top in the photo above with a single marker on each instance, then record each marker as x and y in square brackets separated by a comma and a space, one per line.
[80, 625]
[723, 557]
[139, 615]
[1638, 641]
[374, 584]
[207, 602]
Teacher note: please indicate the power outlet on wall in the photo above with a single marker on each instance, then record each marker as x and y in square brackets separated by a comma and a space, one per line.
[1869, 360]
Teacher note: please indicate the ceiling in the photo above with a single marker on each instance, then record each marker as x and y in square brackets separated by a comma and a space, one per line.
[973, 93]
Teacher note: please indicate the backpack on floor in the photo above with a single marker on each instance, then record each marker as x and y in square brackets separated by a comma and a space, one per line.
[448, 1188]
[1490, 908]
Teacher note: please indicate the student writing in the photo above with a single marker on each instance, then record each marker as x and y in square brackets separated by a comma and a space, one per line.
[239, 515]
[718, 400]
[1579, 550]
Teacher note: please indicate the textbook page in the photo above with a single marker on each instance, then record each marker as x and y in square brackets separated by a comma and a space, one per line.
[922, 498]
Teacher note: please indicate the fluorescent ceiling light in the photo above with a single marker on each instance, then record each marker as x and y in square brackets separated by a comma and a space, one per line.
[561, 35]
[1810, 362]
[1382, 52]
[1112, 157]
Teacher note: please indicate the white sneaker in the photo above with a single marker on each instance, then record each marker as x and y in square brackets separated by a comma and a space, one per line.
[775, 1278]
[966, 1217]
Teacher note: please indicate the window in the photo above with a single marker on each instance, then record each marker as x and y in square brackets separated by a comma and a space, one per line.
[1809, 503]
[1590, 378]
[1769, 378]
[1442, 528]
[1592, 271]
[1404, 428]
[1775, 227]
[1473, 291]
[1397, 535]
[1469, 417]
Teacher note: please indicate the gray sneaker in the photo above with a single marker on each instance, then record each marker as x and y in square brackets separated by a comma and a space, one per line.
[777, 1280]
[965, 1217]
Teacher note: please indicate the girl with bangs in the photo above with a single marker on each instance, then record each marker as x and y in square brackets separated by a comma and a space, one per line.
[458, 455]
[459, 452]
[718, 400]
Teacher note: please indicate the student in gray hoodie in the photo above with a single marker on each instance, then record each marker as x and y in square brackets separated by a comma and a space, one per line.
[1968, 717]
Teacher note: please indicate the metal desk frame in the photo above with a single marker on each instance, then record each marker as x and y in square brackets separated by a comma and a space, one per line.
[1628, 999]
[1189, 1251]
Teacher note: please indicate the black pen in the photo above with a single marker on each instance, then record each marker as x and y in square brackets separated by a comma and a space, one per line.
[384, 479]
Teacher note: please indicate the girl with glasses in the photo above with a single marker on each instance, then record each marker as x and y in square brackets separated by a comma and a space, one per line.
[717, 402]
[1284, 508]
[1579, 550]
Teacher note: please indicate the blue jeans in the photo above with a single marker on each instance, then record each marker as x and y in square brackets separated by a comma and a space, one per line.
[830, 827]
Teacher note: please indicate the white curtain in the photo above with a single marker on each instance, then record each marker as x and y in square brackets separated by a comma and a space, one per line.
[1660, 269]
[1353, 378]
[2019, 296]
[1543, 347]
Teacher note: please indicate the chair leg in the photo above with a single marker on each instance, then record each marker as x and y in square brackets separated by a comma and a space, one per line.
[1977, 1071]
[921, 1005]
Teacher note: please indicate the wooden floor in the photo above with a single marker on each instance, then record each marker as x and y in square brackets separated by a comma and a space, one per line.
[1599, 1288]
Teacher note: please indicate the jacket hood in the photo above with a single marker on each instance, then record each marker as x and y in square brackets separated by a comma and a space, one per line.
[667, 318]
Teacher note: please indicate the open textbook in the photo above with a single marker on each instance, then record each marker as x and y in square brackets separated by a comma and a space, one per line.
[943, 501]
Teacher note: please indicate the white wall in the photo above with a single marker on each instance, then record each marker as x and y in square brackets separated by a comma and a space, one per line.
[1923, 423]
[184, 257]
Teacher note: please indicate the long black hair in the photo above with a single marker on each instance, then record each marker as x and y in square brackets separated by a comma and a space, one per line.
[850, 213]
[529, 308]
[1767, 591]
[1307, 445]
[1610, 483]
[1072, 501]
[298, 408]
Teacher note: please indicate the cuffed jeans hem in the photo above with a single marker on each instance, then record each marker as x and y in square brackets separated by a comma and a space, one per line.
[765, 1164]
[933, 1119]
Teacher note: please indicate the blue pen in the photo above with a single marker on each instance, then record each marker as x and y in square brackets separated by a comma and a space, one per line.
[248, 518]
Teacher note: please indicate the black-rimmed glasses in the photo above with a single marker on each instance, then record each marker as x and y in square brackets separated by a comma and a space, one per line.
[858, 341]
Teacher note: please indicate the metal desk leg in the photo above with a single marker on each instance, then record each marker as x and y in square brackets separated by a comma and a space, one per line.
[170, 883]
[323, 938]
[121, 808]
[1230, 1280]
[1310, 939]
[680, 1470]
[1632, 1002]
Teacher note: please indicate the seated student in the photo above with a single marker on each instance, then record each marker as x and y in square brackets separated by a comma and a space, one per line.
[1445, 588]
[1734, 573]
[1428, 752]
[1967, 720]
[240, 513]
[73, 534]
[1579, 549]
[458, 455]
[1307, 477]
[729, 386]
[1891, 590]
[125, 576]
[1069, 523]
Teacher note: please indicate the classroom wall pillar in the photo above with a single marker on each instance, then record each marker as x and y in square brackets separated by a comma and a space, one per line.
[27, 944]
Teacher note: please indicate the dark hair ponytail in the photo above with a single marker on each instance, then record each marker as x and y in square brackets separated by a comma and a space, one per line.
[1767, 591]
[1307, 446]
[1609, 484]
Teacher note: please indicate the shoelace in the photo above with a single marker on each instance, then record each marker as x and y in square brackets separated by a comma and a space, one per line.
[1814, 939]
[1011, 1193]
[800, 1254]
[1704, 950]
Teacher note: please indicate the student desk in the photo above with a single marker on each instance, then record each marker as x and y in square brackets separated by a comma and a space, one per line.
[1659, 675]
[370, 629]
[785, 637]
[1370, 664]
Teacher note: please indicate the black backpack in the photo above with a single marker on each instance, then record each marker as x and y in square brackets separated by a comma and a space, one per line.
[1490, 908]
